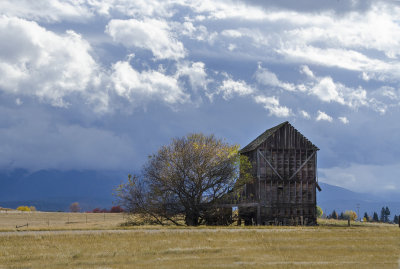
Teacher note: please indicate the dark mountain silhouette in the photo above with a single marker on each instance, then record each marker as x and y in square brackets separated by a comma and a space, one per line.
[341, 199]
[55, 190]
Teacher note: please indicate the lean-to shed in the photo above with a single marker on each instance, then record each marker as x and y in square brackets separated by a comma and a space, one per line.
[283, 191]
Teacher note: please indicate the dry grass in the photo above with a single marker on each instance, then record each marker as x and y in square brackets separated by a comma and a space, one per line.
[48, 221]
[361, 247]
[330, 245]
[59, 220]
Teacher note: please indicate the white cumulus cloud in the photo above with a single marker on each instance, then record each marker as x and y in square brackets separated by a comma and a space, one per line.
[141, 87]
[329, 91]
[40, 63]
[266, 77]
[47, 10]
[322, 116]
[196, 72]
[273, 106]
[305, 114]
[344, 120]
[231, 87]
[150, 34]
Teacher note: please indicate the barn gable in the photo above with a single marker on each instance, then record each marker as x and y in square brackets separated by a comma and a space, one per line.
[283, 135]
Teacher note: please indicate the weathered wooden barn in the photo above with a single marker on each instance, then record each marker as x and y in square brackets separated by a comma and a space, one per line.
[283, 191]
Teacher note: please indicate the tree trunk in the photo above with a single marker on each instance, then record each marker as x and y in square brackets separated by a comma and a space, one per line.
[192, 219]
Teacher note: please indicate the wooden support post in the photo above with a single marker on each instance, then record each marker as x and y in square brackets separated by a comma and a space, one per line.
[283, 162]
[258, 215]
[289, 154]
[277, 194]
[265, 188]
[276, 159]
[307, 166]
[295, 160]
[301, 195]
[270, 192]
[307, 175]
[258, 174]
[308, 200]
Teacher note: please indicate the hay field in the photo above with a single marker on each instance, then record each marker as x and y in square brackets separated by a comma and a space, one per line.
[88, 240]
[58, 220]
[325, 246]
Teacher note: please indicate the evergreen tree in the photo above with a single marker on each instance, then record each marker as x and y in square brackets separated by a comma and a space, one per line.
[387, 214]
[396, 219]
[366, 216]
[334, 215]
[375, 217]
[383, 213]
[341, 216]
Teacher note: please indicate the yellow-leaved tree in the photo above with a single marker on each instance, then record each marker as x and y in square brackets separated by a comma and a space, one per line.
[191, 178]
[350, 214]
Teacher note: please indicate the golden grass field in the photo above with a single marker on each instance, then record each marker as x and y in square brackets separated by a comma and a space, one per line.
[59, 220]
[329, 245]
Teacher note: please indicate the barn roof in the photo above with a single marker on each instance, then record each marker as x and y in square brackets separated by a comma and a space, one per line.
[264, 136]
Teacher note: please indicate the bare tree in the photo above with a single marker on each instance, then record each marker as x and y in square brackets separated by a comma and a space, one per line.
[189, 178]
[74, 207]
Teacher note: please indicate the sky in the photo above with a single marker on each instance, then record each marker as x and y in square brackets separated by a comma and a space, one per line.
[100, 85]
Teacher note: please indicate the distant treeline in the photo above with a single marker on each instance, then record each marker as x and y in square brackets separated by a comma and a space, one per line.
[384, 216]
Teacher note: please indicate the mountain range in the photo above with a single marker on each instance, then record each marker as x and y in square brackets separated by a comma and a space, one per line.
[55, 190]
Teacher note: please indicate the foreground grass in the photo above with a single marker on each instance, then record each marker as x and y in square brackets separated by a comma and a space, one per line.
[288, 247]
[330, 245]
